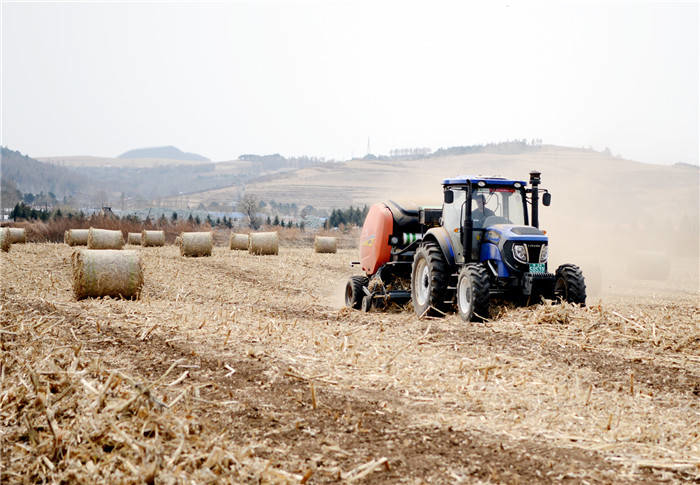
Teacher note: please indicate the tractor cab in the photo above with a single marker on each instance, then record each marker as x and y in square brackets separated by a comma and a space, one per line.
[472, 205]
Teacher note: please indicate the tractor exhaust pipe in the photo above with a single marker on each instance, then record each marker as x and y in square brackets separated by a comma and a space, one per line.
[535, 182]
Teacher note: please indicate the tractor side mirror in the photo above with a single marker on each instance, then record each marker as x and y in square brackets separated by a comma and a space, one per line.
[449, 197]
[546, 199]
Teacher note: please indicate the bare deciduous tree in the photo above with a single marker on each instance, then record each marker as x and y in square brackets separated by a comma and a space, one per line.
[248, 205]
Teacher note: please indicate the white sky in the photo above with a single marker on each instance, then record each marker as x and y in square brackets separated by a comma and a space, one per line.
[320, 77]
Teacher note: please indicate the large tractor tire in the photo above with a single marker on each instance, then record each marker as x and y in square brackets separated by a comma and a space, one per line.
[473, 293]
[569, 285]
[429, 277]
[354, 292]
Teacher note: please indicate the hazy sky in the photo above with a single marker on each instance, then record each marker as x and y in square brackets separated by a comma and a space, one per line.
[321, 77]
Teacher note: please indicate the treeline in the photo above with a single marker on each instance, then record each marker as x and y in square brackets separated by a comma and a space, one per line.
[509, 147]
[506, 148]
[277, 161]
[281, 223]
[353, 216]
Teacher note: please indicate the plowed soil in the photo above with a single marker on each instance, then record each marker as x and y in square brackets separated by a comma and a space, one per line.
[274, 381]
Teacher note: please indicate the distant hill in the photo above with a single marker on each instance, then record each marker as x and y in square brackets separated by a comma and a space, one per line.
[30, 175]
[170, 152]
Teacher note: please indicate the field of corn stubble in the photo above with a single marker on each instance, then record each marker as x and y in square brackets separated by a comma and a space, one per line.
[243, 369]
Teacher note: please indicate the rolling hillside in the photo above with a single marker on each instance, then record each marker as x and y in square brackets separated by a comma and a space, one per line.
[30, 175]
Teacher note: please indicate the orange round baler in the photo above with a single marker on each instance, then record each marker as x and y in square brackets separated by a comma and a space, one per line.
[375, 249]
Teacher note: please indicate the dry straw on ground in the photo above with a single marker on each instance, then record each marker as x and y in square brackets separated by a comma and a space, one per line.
[325, 244]
[264, 243]
[207, 379]
[133, 238]
[18, 235]
[76, 237]
[107, 272]
[105, 239]
[239, 242]
[5, 239]
[152, 238]
[196, 244]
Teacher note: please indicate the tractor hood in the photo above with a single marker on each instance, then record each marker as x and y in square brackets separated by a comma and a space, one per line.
[512, 249]
[499, 233]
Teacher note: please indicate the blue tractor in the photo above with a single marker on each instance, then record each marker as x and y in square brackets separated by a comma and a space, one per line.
[481, 244]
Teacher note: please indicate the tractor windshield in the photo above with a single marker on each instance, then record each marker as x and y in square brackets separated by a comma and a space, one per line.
[497, 205]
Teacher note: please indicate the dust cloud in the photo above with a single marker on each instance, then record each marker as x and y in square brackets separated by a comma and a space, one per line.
[626, 239]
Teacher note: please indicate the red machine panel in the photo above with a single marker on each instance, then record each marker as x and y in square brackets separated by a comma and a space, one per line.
[374, 240]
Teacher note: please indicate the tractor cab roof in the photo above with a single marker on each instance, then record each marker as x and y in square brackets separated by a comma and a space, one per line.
[469, 179]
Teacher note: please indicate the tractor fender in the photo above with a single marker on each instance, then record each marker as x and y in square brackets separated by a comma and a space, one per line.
[440, 236]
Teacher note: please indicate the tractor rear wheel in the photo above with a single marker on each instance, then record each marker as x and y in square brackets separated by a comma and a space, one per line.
[354, 291]
[429, 276]
[473, 293]
[569, 284]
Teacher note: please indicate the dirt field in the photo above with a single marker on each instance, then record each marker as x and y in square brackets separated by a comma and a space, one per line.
[244, 369]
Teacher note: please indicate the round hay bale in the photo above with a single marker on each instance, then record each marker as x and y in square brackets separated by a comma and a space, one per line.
[196, 243]
[107, 272]
[152, 238]
[105, 239]
[323, 244]
[133, 238]
[18, 235]
[264, 243]
[5, 239]
[76, 237]
[239, 241]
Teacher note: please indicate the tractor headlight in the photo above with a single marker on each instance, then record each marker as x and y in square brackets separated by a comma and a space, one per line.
[520, 253]
[544, 252]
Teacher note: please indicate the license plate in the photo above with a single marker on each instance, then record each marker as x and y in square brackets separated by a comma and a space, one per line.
[537, 268]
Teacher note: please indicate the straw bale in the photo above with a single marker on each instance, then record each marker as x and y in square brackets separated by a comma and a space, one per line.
[239, 241]
[264, 243]
[133, 238]
[325, 244]
[18, 235]
[76, 237]
[153, 238]
[196, 243]
[105, 239]
[107, 272]
[5, 239]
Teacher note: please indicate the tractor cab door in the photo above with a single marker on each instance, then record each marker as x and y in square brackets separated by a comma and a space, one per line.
[452, 217]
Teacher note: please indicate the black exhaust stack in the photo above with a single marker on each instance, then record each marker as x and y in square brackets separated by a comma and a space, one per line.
[535, 182]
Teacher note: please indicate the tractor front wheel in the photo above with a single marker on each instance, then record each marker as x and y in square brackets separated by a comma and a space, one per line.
[429, 276]
[569, 285]
[354, 291]
[473, 293]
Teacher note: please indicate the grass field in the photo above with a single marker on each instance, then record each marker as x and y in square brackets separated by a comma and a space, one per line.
[245, 369]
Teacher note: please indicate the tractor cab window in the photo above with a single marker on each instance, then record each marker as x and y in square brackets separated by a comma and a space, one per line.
[497, 205]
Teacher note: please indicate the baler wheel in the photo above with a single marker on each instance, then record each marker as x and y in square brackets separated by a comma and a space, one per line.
[354, 291]
[366, 304]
